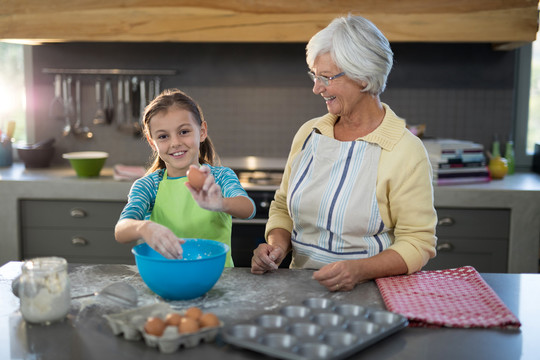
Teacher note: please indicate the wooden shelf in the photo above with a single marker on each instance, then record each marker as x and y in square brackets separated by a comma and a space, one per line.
[500, 22]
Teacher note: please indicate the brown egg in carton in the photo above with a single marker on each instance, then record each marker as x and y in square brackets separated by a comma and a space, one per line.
[132, 323]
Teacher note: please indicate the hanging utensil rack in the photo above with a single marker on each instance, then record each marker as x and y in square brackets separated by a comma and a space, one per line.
[132, 72]
[137, 76]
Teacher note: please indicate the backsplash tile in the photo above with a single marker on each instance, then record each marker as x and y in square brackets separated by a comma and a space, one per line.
[255, 96]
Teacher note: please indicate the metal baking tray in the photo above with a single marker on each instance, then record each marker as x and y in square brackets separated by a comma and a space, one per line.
[318, 328]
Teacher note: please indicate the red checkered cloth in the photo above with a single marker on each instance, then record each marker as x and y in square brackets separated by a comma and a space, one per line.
[451, 298]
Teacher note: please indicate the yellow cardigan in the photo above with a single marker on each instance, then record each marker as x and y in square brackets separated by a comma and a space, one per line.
[404, 187]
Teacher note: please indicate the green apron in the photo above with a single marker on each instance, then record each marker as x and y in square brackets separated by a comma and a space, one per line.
[176, 209]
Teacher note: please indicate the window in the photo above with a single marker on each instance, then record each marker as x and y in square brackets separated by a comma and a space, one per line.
[533, 125]
[12, 89]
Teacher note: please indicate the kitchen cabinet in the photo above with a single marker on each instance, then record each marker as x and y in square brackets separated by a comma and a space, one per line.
[262, 21]
[517, 197]
[80, 231]
[83, 232]
[475, 237]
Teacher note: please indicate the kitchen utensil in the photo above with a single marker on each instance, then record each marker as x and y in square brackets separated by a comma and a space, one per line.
[99, 117]
[56, 107]
[151, 88]
[317, 328]
[6, 151]
[79, 128]
[39, 145]
[128, 125]
[87, 163]
[120, 117]
[119, 292]
[67, 127]
[108, 105]
[142, 105]
[201, 265]
[135, 105]
[70, 108]
[36, 157]
[10, 129]
[157, 86]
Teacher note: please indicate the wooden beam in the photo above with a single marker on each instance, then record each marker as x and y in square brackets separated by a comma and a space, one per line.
[509, 21]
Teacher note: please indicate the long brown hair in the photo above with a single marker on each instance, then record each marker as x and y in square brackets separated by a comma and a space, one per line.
[163, 102]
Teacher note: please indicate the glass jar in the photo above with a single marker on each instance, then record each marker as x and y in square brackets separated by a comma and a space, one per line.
[44, 290]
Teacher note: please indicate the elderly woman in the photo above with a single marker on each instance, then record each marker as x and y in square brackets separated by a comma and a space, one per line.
[356, 199]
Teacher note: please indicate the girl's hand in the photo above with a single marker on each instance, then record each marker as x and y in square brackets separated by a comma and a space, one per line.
[162, 239]
[266, 258]
[209, 197]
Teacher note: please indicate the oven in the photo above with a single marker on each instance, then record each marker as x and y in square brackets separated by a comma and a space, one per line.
[261, 178]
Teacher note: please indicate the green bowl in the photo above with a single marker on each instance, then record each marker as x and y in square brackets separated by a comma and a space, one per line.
[87, 163]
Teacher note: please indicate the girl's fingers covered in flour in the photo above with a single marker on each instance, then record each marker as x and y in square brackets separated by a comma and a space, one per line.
[163, 240]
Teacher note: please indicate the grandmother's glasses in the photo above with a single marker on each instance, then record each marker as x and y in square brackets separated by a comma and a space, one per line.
[325, 80]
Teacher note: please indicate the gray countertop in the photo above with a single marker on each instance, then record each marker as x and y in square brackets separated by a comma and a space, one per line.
[519, 192]
[240, 296]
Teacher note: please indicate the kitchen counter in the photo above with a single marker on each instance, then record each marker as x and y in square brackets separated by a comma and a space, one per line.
[519, 192]
[239, 296]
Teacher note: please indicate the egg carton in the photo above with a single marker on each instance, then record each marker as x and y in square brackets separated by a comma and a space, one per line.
[318, 328]
[130, 323]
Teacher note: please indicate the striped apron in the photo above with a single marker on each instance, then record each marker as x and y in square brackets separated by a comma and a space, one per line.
[332, 201]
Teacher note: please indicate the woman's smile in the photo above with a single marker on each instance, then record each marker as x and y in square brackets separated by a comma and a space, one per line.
[329, 99]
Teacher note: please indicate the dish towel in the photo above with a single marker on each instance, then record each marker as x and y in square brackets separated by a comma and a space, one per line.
[126, 172]
[450, 298]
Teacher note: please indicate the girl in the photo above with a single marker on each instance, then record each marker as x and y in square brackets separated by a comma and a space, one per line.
[162, 206]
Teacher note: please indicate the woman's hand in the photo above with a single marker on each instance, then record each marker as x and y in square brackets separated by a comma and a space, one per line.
[209, 197]
[338, 276]
[162, 239]
[266, 258]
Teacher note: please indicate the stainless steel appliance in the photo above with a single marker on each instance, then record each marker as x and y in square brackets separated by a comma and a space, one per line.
[261, 178]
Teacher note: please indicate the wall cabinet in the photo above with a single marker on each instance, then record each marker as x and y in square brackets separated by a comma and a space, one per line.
[80, 231]
[475, 237]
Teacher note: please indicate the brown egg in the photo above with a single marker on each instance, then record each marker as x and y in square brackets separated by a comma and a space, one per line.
[193, 313]
[188, 325]
[173, 319]
[154, 326]
[208, 320]
[196, 178]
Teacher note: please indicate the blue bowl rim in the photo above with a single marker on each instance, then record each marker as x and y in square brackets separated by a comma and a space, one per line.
[225, 249]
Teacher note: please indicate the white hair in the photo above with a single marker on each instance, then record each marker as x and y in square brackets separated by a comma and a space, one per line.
[358, 48]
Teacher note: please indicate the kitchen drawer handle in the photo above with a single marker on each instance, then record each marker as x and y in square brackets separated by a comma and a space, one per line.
[77, 213]
[445, 247]
[446, 221]
[79, 241]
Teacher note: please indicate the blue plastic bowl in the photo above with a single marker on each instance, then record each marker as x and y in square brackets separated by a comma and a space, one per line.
[182, 279]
